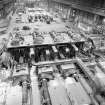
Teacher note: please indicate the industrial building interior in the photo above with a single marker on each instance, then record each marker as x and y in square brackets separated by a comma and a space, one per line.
[62, 62]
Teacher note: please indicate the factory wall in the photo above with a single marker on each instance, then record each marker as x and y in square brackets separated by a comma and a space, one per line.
[89, 3]
[7, 7]
[73, 14]
[67, 11]
[33, 3]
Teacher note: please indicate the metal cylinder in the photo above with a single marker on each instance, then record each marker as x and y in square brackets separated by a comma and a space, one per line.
[45, 92]
[100, 99]
[24, 93]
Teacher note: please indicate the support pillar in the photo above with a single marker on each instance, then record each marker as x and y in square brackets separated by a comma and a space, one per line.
[49, 5]
[68, 13]
[95, 19]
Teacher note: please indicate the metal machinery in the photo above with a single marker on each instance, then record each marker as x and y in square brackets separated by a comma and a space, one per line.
[57, 75]
[63, 80]
[61, 84]
[65, 72]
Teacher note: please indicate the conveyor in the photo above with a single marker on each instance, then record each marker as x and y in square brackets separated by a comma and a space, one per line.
[96, 78]
[101, 64]
[58, 94]
[35, 92]
[76, 92]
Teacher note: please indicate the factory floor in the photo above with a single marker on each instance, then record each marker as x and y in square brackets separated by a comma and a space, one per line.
[57, 26]
[55, 81]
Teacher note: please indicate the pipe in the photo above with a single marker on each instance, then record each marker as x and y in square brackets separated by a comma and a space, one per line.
[45, 92]
[24, 93]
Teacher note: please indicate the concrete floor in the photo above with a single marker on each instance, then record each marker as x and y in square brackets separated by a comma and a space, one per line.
[42, 27]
